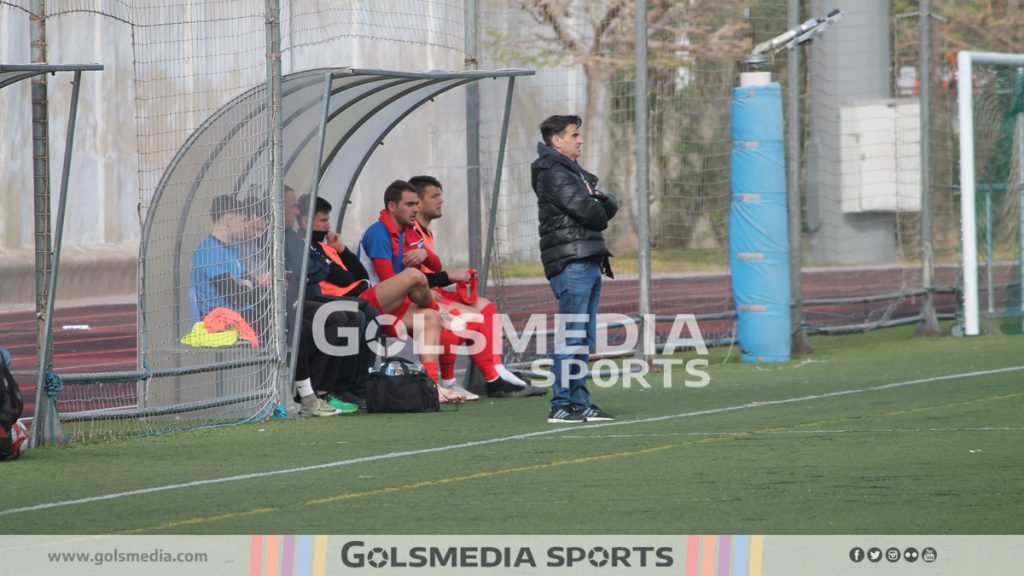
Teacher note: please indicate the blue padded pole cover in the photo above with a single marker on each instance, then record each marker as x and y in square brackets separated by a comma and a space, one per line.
[758, 228]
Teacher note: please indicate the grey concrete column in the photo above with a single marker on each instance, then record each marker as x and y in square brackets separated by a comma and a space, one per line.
[849, 64]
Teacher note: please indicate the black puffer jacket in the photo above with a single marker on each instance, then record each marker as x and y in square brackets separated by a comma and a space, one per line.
[571, 218]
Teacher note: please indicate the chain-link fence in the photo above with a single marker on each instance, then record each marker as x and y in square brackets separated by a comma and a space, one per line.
[860, 155]
[866, 236]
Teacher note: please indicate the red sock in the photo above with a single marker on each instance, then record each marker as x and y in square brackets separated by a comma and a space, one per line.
[447, 367]
[484, 359]
[432, 370]
[449, 342]
[492, 339]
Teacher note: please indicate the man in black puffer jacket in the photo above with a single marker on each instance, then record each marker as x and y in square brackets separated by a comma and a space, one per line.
[572, 214]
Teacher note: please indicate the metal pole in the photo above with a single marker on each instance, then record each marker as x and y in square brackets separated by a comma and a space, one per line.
[310, 214]
[968, 227]
[930, 325]
[643, 198]
[990, 296]
[492, 217]
[1020, 188]
[46, 428]
[277, 223]
[800, 344]
[473, 199]
[41, 201]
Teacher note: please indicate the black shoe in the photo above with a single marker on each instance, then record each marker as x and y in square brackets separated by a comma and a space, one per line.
[595, 414]
[565, 415]
[501, 388]
[530, 390]
[354, 399]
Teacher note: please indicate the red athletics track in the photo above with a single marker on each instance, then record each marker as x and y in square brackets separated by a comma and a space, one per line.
[110, 342]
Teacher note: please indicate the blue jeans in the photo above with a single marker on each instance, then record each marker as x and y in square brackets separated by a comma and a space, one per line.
[578, 290]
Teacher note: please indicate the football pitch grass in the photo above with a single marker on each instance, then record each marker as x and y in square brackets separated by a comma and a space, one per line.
[876, 433]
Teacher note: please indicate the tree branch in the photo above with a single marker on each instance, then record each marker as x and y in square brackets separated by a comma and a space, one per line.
[613, 13]
[556, 21]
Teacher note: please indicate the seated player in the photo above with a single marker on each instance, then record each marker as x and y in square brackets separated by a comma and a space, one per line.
[315, 369]
[389, 247]
[430, 193]
[404, 296]
[219, 277]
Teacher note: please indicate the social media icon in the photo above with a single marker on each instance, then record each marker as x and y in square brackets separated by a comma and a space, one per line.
[856, 554]
[910, 555]
[875, 554]
[892, 554]
[929, 554]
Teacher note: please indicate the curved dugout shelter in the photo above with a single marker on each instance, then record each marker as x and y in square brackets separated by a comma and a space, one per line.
[332, 121]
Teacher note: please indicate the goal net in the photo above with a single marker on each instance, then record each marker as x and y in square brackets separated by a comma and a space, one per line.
[991, 102]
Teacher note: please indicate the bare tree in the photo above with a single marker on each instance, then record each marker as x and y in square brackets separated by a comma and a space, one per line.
[583, 34]
[693, 45]
[989, 26]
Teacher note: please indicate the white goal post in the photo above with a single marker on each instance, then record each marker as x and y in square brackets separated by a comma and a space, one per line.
[968, 227]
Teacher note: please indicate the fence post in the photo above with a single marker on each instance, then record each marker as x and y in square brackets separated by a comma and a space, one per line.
[43, 414]
[473, 200]
[800, 344]
[643, 199]
[929, 321]
[277, 223]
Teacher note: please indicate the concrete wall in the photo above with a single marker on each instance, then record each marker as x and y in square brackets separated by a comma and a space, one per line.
[15, 136]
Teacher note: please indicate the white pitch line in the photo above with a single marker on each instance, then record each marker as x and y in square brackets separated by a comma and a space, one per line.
[789, 432]
[477, 443]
